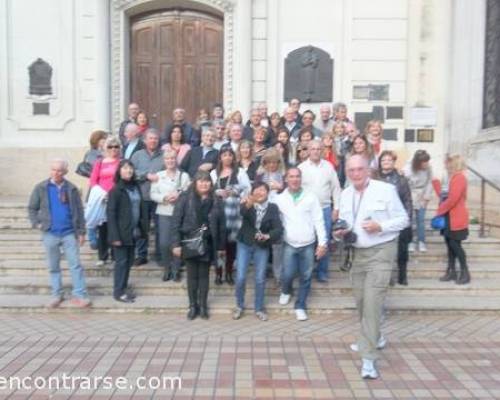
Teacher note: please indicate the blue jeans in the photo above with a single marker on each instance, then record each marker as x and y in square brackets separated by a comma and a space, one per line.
[245, 254]
[420, 220]
[297, 260]
[322, 267]
[92, 238]
[143, 244]
[71, 249]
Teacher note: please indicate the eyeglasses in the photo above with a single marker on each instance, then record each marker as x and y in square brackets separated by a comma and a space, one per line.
[113, 147]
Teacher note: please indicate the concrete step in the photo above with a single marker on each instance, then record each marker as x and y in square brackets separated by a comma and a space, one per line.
[338, 286]
[417, 269]
[223, 305]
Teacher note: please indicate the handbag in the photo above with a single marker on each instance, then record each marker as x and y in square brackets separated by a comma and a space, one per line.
[195, 244]
[84, 169]
[438, 222]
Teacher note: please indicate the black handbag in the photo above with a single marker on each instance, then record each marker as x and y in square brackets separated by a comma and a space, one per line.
[84, 169]
[194, 245]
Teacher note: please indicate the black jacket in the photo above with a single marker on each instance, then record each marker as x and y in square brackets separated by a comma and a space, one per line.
[191, 135]
[194, 158]
[403, 188]
[271, 225]
[139, 146]
[119, 213]
[186, 220]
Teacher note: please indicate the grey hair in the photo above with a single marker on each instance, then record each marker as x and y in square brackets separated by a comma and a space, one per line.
[113, 140]
[152, 131]
[337, 106]
[62, 162]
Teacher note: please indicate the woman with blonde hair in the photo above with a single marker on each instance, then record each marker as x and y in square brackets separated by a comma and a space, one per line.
[454, 207]
[374, 131]
[246, 159]
[329, 151]
[235, 118]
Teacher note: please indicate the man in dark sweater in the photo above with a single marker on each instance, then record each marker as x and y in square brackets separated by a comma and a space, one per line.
[203, 157]
[56, 209]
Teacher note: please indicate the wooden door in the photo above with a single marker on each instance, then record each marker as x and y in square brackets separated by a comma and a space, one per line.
[176, 61]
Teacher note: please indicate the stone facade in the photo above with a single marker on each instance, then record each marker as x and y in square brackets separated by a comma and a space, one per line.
[400, 54]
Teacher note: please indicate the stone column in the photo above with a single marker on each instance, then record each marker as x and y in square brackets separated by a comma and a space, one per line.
[102, 77]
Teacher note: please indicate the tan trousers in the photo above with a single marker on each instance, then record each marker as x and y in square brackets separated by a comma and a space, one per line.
[370, 276]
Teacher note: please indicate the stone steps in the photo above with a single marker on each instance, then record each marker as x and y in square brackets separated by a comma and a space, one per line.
[223, 305]
[340, 286]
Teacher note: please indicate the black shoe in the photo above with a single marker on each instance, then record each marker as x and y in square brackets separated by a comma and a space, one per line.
[130, 293]
[125, 298]
[218, 277]
[176, 276]
[450, 275]
[140, 261]
[403, 281]
[192, 313]
[464, 276]
[229, 278]
[167, 275]
[204, 313]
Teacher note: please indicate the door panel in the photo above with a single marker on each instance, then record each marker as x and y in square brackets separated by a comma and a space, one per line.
[176, 59]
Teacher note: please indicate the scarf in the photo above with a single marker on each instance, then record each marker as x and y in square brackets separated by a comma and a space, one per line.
[260, 211]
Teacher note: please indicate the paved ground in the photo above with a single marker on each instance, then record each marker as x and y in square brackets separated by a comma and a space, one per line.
[428, 356]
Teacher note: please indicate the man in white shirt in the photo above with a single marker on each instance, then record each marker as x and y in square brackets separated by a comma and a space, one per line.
[319, 177]
[235, 136]
[375, 214]
[302, 219]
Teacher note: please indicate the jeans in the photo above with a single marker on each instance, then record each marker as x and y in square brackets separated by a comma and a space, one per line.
[124, 258]
[277, 260]
[245, 254]
[71, 249]
[297, 260]
[92, 238]
[322, 267]
[142, 244]
[420, 221]
[455, 250]
[168, 261]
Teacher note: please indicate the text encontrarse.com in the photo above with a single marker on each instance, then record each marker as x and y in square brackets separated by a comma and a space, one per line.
[70, 382]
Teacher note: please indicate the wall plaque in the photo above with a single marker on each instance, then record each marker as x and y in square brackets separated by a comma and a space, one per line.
[371, 92]
[361, 119]
[409, 135]
[390, 134]
[309, 75]
[394, 112]
[41, 108]
[425, 135]
[40, 73]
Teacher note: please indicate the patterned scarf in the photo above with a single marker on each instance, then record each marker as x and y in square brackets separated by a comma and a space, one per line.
[260, 210]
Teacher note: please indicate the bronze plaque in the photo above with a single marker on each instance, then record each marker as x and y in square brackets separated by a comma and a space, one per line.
[40, 73]
[309, 75]
[425, 135]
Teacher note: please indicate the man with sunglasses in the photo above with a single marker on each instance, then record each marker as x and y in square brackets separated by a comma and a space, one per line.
[56, 209]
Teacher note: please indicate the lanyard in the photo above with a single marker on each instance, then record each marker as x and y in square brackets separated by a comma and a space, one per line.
[355, 209]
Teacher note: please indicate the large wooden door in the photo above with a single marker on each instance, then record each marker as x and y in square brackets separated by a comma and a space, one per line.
[176, 61]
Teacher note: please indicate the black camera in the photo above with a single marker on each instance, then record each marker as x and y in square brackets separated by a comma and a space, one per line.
[350, 237]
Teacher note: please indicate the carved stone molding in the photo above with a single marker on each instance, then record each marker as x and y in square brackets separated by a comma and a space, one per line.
[122, 10]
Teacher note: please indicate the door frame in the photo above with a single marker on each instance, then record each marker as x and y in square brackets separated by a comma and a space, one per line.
[232, 12]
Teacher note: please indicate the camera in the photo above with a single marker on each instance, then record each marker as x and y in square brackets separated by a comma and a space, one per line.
[349, 237]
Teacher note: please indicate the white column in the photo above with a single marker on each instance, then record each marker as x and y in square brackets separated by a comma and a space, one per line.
[102, 77]
[242, 55]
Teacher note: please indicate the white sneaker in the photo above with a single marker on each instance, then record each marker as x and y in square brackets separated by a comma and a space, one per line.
[301, 314]
[411, 247]
[382, 342]
[422, 247]
[100, 263]
[368, 371]
[284, 299]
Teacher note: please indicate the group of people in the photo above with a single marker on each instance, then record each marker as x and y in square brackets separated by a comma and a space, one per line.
[276, 193]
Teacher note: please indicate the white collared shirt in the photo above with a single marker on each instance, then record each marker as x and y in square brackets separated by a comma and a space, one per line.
[302, 219]
[380, 203]
[321, 179]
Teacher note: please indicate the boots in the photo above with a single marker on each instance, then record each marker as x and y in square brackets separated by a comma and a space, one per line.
[167, 274]
[218, 276]
[450, 274]
[464, 276]
[203, 308]
[229, 277]
[193, 312]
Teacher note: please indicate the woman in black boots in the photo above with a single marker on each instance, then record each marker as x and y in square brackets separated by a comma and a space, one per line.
[127, 222]
[454, 207]
[198, 235]
[387, 172]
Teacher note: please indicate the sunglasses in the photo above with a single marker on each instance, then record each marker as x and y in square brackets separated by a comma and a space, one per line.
[113, 147]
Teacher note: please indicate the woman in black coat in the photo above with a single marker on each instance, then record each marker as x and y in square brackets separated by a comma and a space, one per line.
[387, 172]
[197, 208]
[261, 228]
[127, 222]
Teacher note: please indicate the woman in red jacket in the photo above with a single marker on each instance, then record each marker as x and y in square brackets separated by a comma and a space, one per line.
[454, 207]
